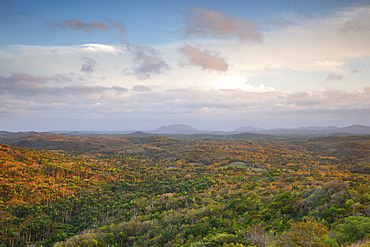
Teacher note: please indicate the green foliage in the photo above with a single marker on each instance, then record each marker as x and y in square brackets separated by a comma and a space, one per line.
[305, 234]
[160, 191]
[352, 229]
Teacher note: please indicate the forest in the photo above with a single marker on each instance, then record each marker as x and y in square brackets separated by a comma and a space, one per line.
[244, 190]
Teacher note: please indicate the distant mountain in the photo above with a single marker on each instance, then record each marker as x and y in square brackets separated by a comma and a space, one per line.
[175, 129]
[183, 129]
[91, 133]
[355, 129]
[12, 134]
[318, 128]
[138, 134]
[311, 130]
[249, 129]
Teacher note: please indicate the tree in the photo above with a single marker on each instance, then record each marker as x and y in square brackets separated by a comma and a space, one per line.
[353, 228]
[305, 234]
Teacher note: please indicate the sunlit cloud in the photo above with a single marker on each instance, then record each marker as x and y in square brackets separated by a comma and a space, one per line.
[206, 22]
[205, 59]
[28, 90]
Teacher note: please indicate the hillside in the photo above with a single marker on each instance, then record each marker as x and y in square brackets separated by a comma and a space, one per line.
[161, 191]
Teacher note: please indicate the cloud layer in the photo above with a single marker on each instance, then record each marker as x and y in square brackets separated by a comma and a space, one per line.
[30, 91]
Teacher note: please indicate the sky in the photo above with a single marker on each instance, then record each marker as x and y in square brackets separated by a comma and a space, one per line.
[212, 64]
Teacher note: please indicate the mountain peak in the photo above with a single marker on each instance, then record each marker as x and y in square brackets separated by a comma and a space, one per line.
[175, 129]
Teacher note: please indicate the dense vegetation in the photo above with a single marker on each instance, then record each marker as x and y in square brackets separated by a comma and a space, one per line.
[160, 191]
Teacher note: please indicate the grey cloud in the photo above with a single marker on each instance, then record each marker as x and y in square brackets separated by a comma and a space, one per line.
[119, 89]
[8, 12]
[89, 65]
[205, 22]
[149, 61]
[20, 84]
[63, 78]
[78, 25]
[334, 76]
[354, 71]
[357, 25]
[118, 26]
[88, 27]
[83, 89]
[141, 88]
[204, 58]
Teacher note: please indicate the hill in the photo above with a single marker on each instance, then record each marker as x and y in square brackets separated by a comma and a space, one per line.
[313, 130]
[175, 129]
[161, 191]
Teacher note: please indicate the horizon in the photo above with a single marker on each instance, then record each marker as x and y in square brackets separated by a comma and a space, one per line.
[197, 129]
[123, 65]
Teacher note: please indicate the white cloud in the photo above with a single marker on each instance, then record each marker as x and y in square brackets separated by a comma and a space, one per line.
[305, 45]
[237, 82]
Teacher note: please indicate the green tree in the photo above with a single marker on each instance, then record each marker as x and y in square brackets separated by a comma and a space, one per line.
[353, 228]
[305, 234]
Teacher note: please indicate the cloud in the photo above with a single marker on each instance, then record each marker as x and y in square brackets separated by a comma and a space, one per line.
[205, 22]
[141, 88]
[204, 58]
[25, 97]
[21, 83]
[8, 12]
[326, 101]
[334, 76]
[89, 65]
[25, 85]
[149, 61]
[78, 25]
[88, 27]
[238, 82]
[118, 26]
[354, 71]
[356, 25]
